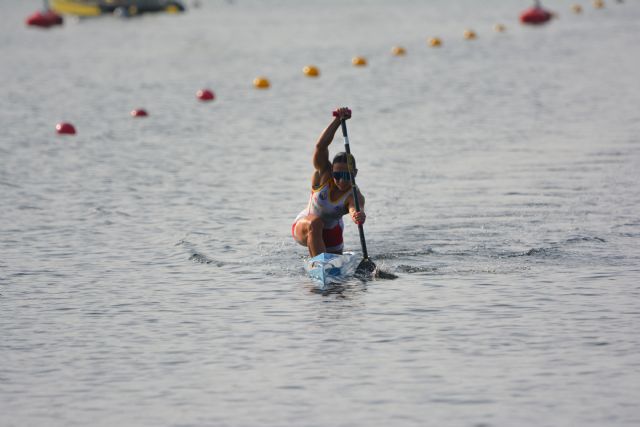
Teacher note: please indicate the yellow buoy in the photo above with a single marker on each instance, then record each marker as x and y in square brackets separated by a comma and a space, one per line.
[261, 83]
[359, 61]
[398, 51]
[469, 34]
[311, 71]
[499, 28]
[435, 42]
[576, 8]
[598, 4]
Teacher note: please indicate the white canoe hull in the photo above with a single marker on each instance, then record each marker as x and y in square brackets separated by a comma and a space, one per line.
[326, 268]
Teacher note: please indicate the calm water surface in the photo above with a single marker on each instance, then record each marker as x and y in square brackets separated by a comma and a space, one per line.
[147, 272]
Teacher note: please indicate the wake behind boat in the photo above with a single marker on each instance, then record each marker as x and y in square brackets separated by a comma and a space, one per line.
[327, 269]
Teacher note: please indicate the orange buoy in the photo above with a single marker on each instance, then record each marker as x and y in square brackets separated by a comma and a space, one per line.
[469, 34]
[261, 83]
[205, 95]
[44, 19]
[139, 112]
[65, 129]
[598, 4]
[359, 61]
[535, 16]
[435, 42]
[576, 8]
[499, 28]
[398, 51]
[311, 71]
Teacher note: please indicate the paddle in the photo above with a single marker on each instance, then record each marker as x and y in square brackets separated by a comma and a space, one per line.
[366, 266]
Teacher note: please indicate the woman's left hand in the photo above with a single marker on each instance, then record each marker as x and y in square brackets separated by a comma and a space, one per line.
[358, 217]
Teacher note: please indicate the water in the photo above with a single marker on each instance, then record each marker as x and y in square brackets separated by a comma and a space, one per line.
[147, 272]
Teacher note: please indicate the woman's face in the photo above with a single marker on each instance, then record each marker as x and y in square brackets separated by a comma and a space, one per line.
[341, 176]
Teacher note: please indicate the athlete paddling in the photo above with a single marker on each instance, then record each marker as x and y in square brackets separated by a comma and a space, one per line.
[319, 226]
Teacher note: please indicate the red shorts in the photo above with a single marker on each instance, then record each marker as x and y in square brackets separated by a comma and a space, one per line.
[332, 237]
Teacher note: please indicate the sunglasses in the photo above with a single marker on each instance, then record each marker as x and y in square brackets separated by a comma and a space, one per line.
[345, 176]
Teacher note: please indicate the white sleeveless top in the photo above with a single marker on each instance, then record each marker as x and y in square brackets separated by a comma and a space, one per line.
[320, 204]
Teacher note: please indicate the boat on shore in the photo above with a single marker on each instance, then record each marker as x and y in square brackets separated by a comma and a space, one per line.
[86, 8]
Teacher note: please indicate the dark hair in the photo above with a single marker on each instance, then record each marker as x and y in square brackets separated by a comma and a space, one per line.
[341, 157]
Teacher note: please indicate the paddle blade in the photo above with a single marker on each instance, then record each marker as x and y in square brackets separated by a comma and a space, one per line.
[366, 267]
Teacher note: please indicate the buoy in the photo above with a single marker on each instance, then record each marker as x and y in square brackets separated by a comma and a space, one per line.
[65, 129]
[598, 4]
[535, 16]
[435, 42]
[469, 34]
[576, 8]
[311, 71]
[359, 61]
[398, 51]
[261, 83]
[205, 95]
[139, 112]
[44, 19]
[499, 28]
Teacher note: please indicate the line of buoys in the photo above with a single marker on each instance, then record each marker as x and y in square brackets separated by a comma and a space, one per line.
[434, 42]
[359, 61]
[311, 71]
[139, 112]
[261, 83]
[205, 95]
[398, 51]
[534, 15]
[44, 19]
[65, 128]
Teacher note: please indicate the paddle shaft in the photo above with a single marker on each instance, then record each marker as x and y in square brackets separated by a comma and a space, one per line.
[354, 188]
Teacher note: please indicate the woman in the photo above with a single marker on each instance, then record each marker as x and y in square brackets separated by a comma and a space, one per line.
[319, 226]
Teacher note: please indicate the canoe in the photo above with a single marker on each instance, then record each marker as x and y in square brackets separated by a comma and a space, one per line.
[74, 7]
[326, 269]
[100, 7]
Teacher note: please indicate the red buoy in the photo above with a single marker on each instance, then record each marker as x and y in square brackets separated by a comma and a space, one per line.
[535, 16]
[44, 19]
[139, 112]
[205, 95]
[65, 129]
